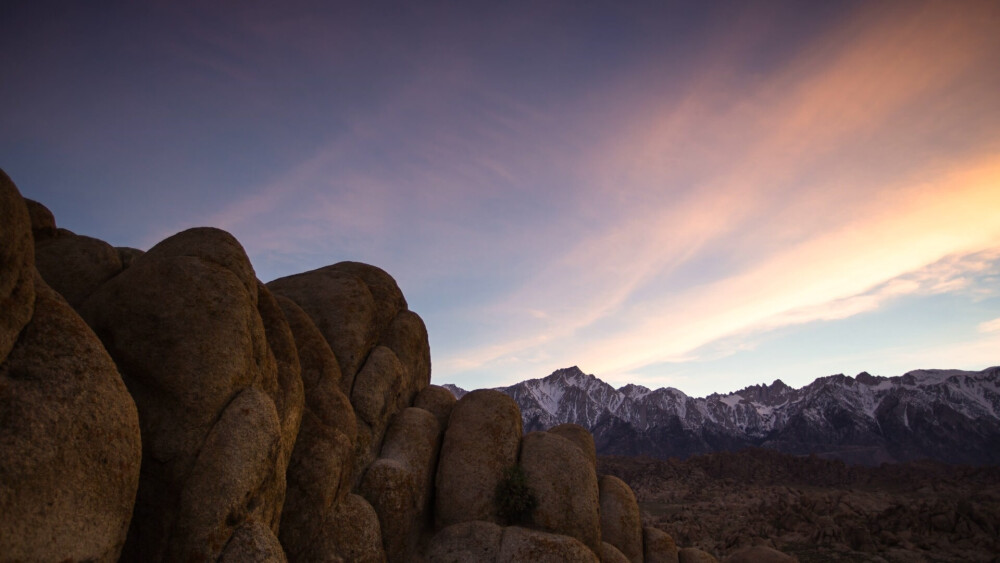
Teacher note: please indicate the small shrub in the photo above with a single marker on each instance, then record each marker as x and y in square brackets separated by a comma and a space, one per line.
[515, 501]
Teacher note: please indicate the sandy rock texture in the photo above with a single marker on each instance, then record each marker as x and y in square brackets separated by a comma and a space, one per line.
[565, 485]
[210, 361]
[69, 432]
[621, 525]
[482, 439]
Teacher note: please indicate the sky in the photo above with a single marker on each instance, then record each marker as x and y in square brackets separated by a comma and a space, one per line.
[699, 195]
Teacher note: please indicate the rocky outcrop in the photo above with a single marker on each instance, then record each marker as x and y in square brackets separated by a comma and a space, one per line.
[289, 421]
[760, 554]
[17, 265]
[565, 485]
[658, 546]
[217, 410]
[481, 441]
[621, 525]
[399, 483]
[69, 433]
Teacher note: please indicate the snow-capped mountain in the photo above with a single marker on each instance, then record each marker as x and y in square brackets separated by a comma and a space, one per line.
[948, 415]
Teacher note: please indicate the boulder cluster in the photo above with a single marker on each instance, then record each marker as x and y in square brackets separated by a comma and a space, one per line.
[168, 406]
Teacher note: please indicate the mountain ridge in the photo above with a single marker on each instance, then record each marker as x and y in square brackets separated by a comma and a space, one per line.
[945, 415]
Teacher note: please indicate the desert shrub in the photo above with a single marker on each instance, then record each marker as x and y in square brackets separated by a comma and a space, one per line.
[515, 501]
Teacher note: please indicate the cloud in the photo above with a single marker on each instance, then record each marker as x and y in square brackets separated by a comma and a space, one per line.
[990, 326]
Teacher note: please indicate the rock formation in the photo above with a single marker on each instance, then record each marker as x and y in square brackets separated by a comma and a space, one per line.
[288, 421]
[69, 433]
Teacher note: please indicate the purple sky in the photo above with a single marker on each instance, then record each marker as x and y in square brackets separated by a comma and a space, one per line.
[699, 195]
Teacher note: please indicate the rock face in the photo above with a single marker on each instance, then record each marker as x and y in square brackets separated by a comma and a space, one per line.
[658, 546]
[482, 439]
[399, 483]
[760, 554]
[621, 525]
[565, 485]
[69, 432]
[290, 420]
[218, 412]
[17, 265]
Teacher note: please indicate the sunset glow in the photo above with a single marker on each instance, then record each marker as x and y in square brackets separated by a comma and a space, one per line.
[703, 198]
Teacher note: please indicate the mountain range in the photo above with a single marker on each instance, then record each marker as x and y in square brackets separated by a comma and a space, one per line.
[946, 415]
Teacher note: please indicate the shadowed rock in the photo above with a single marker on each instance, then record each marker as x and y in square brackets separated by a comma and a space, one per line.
[69, 437]
[658, 546]
[579, 436]
[399, 484]
[621, 525]
[356, 535]
[75, 265]
[467, 542]
[17, 265]
[438, 401]
[565, 485]
[195, 338]
[253, 542]
[520, 544]
[610, 554]
[482, 440]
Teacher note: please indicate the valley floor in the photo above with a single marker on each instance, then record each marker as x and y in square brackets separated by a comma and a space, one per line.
[819, 510]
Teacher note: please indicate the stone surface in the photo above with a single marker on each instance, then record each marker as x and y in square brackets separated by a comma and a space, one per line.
[621, 525]
[406, 336]
[482, 439]
[128, 255]
[356, 535]
[520, 544]
[69, 437]
[760, 554]
[253, 542]
[75, 266]
[376, 397]
[17, 265]
[695, 555]
[438, 401]
[467, 542]
[565, 485]
[43, 223]
[579, 436]
[610, 554]
[658, 546]
[341, 301]
[399, 483]
[186, 327]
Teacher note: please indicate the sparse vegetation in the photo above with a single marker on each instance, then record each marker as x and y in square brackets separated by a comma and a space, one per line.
[515, 501]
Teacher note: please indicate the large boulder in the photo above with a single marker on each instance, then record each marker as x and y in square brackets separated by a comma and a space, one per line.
[69, 437]
[658, 546]
[399, 484]
[356, 536]
[76, 265]
[377, 396]
[611, 554]
[352, 304]
[565, 486]
[43, 222]
[482, 439]
[621, 524]
[466, 542]
[520, 544]
[253, 542]
[579, 436]
[320, 472]
[17, 265]
[211, 364]
[438, 401]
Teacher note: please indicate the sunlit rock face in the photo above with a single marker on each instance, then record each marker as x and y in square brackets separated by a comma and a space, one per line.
[947, 415]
